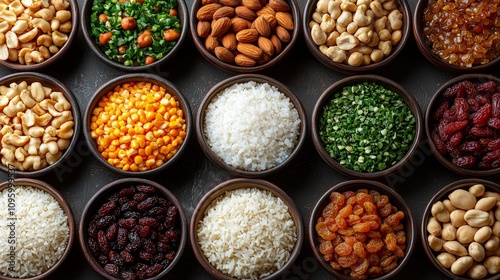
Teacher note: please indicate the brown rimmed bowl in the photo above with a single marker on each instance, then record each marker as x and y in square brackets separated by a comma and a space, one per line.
[182, 14]
[200, 42]
[239, 79]
[136, 78]
[441, 195]
[26, 182]
[231, 185]
[431, 124]
[93, 205]
[427, 52]
[55, 85]
[62, 50]
[407, 97]
[310, 9]
[354, 186]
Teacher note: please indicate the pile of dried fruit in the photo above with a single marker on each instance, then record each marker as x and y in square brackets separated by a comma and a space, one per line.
[360, 233]
[246, 32]
[466, 124]
[135, 233]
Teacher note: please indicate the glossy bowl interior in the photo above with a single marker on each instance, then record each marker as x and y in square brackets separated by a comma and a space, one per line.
[138, 77]
[429, 54]
[442, 194]
[429, 124]
[65, 207]
[394, 198]
[75, 18]
[56, 85]
[231, 185]
[200, 42]
[409, 100]
[242, 78]
[182, 14]
[310, 8]
[101, 196]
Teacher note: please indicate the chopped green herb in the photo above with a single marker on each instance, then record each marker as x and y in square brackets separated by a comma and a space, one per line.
[366, 127]
[150, 16]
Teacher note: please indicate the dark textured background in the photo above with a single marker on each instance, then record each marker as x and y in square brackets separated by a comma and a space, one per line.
[192, 176]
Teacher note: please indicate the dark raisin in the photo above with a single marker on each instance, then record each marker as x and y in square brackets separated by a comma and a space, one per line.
[157, 211]
[134, 237]
[170, 255]
[92, 230]
[438, 114]
[493, 144]
[127, 257]
[129, 206]
[470, 146]
[440, 146]
[112, 269]
[121, 238]
[112, 231]
[129, 275]
[93, 246]
[491, 156]
[103, 242]
[139, 267]
[140, 196]
[158, 258]
[146, 189]
[147, 204]
[127, 191]
[487, 87]
[114, 197]
[162, 246]
[127, 223]
[481, 131]
[495, 105]
[170, 218]
[147, 221]
[145, 256]
[131, 215]
[456, 138]
[480, 117]
[148, 246]
[464, 162]
[172, 235]
[132, 247]
[461, 108]
[116, 259]
[457, 90]
[494, 123]
[106, 208]
[102, 259]
[163, 202]
[105, 221]
[154, 270]
[144, 231]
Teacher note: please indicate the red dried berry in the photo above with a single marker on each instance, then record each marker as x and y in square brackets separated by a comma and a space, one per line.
[140, 196]
[438, 113]
[147, 204]
[148, 221]
[461, 108]
[106, 208]
[481, 116]
[453, 127]
[481, 131]
[112, 269]
[127, 192]
[493, 144]
[111, 232]
[473, 104]
[127, 223]
[487, 87]
[450, 115]
[494, 123]
[146, 189]
[456, 138]
[457, 90]
[470, 146]
[495, 105]
[482, 99]
[103, 242]
[464, 162]
[440, 146]
[469, 88]
[491, 156]
[127, 257]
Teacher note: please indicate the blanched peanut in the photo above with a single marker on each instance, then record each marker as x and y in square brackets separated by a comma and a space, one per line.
[492, 243]
[477, 190]
[434, 227]
[455, 248]
[491, 194]
[449, 232]
[449, 206]
[322, 6]
[476, 251]
[327, 23]
[485, 203]
[462, 199]
[477, 271]
[446, 259]
[477, 218]
[492, 264]
[346, 41]
[440, 212]
[355, 59]
[465, 234]
[461, 265]
[318, 35]
[336, 54]
[457, 218]
[482, 234]
[435, 243]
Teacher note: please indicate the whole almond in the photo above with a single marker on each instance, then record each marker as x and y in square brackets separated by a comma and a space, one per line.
[271, 19]
[252, 4]
[221, 26]
[283, 34]
[276, 43]
[206, 12]
[203, 28]
[225, 11]
[250, 50]
[249, 35]
[279, 5]
[266, 10]
[224, 55]
[284, 19]
[243, 60]
[232, 3]
[238, 24]
[264, 59]
[266, 45]
[245, 13]
[205, 2]
[211, 43]
[262, 26]
[229, 41]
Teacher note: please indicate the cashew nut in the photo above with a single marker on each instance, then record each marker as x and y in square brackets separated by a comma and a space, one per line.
[49, 147]
[327, 23]
[49, 135]
[65, 27]
[331, 40]
[34, 162]
[63, 16]
[60, 4]
[63, 143]
[385, 47]
[20, 154]
[28, 36]
[336, 54]
[348, 6]
[360, 17]
[43, 120]
[8, 155]
[36, 131]
[28, 118]
[4, 51]
[33, 146]
[54, 24]
[27, 99]
[52, 158]
[389, 5]
[364, 34]
[62, 103]
[19, 27]
[344, 19]
[16, 7]
[59, 38]
[378, 9]
[15, 140]
[42, 24]
[334, 9]
[318, 35]
[11, 40]
[44, 13]
[346, 41]
[66, 130]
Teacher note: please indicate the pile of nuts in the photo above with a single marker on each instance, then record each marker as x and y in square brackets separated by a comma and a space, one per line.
[36, 125]
[246, 32]
[358, 32]
[465, 229]
[32, 31]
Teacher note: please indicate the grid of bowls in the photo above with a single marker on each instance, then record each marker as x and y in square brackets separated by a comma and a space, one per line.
[233, 184]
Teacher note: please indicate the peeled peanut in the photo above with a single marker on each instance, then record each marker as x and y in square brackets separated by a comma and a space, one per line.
[477, 190]
[477, 218]
[492, 264]
[455, 248]
[485, 203]
[465, 234]
[448, 205]
[476, 251]
[449, 232]
[462, 199]
[496, 228]
[435, 243]
[483, 234]
[492, 243]
[446, 259]
[457, 218]
[477, 271]
[461, 265]
[440, 212]
[491, 194]
[434, 227]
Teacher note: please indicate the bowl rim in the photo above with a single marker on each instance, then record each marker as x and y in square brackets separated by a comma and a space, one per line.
[200, 46]
[447, 189]
[430, 56]
[411, 235]
[407, 97]
[138, 77]
[112, 187]
[183, 15]
[431, 105]
[75, 18]
[51, 190]
[47, 80]
[241, 78]
[231, 185]
[402, 6]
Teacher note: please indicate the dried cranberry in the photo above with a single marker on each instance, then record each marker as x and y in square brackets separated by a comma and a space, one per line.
[495, 164]
[491, 156]
[482, 99]
[481, 131]
[470, 146]
[453, 127]
[473, 104]
[440, 146]
[470, 89]
[456, 138]
[106, 208]
[464, 162]
[481, 116]
[450, 115]
[438, 114]
[493, 144]
[488, 87]
[112, 269]
[495, 105]
[457, 90]
[494, 123]
[461, 108]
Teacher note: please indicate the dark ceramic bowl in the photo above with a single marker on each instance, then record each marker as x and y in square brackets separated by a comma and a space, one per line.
[431, 124]
[136, 78]
[182, 14]
[25, 182]
[394, 198]
[294, 10]
[55, 85]
[238, 79]
[102, 196]
[441, 195]
[231, 185]
[388, 84]
[62, 50]
[426, 50]
[310, 9]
